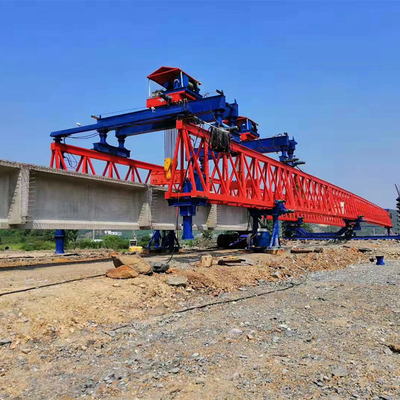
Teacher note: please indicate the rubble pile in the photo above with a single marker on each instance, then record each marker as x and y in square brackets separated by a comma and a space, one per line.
[124, 263]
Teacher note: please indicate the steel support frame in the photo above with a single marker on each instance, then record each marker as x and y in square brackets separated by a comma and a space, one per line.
[135, 171]
[278, 210]
[246, 178]
[163, 240]
[295, 231]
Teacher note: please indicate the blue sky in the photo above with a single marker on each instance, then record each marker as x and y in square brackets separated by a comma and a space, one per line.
[326, 72]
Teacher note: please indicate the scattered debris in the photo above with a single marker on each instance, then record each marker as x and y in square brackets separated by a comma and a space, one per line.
[159, 267]
[177, 281]
[339, 371]
[301, 250]
[277, 275]
[274, 251]
[394, 347]
[134, 261]
[5, 341]
[122, 272]
[206, 261]
[232, 261]
[364, 249]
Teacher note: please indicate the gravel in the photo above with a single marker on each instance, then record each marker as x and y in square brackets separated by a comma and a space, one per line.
[325, 338]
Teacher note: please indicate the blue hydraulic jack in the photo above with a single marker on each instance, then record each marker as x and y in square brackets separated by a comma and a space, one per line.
[163, 241]
[188, 206]
[260, 239]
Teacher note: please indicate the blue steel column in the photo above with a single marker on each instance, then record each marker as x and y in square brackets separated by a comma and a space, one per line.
[275, 233]
[59, 236]
[277, 211]
[187, 212]
[255, 214]
[154, 240]
[60, 241]
[187, 207]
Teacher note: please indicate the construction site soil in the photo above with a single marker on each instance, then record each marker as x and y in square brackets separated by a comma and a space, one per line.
[323, 324]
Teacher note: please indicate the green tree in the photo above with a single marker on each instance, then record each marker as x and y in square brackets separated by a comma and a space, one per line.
[115, 242]
[144, 240]
[71, 235]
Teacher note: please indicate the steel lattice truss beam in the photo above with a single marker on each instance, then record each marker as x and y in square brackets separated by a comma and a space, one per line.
[111, 166]
[243, 178]
[246, 178]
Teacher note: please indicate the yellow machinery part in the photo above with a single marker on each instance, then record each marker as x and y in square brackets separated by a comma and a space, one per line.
[135, 249]
[168, 168]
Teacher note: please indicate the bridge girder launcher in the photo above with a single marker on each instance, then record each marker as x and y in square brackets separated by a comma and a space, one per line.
[218, 158]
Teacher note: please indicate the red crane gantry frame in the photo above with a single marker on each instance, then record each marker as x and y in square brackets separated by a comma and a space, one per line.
[137, 171]
[243, 178]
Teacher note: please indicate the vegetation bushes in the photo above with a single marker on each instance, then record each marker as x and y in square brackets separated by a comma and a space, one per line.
[85, 244]
[115, 243]
[30, 240]
[144, 241]
[38, 246]
[108, 242]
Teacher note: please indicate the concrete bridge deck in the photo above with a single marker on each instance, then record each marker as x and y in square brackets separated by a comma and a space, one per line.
[35, 197]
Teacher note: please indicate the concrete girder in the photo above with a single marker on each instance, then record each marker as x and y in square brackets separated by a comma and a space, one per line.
[34, 197]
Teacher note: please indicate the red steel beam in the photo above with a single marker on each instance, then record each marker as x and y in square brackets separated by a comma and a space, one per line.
[246, 178]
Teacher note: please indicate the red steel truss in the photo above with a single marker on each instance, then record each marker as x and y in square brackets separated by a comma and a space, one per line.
[243, 178]
[246, 178]
[111, 166]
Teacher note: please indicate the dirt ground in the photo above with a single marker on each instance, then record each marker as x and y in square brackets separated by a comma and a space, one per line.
[322, 332]
[9, 259]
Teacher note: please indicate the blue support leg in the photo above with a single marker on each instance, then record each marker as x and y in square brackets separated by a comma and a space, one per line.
[254, 230]
[187, 208]
[274, 243]
[261, 239]
[276, 212]
[187, 233]
[154, 240]
[60, 241]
